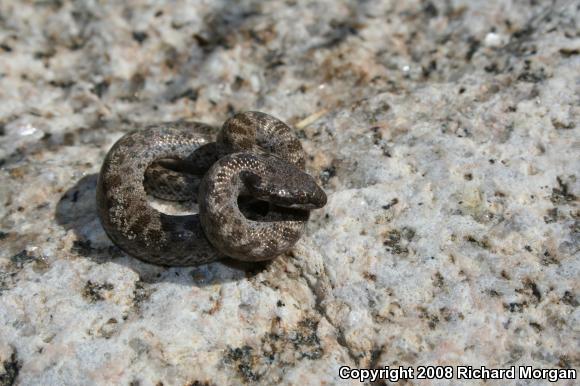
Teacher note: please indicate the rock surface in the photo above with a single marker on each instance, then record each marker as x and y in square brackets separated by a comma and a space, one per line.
[444, 132]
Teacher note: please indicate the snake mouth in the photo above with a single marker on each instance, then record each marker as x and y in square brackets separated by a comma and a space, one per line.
[263, 211]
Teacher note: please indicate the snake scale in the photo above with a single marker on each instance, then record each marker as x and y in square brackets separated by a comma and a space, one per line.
[253, 193]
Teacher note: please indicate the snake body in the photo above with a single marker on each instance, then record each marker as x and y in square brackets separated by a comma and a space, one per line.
[256, 159]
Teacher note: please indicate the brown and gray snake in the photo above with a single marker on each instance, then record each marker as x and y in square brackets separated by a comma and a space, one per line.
[253, 192]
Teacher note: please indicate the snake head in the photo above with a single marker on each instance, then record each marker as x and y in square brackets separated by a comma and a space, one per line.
[288, 187]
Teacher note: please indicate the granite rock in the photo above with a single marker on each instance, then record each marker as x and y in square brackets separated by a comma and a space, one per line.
[444, 132]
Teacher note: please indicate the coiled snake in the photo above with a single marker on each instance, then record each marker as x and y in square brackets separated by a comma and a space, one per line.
[253, 193]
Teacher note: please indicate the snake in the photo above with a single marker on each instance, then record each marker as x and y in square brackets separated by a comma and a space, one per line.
[250, 184]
